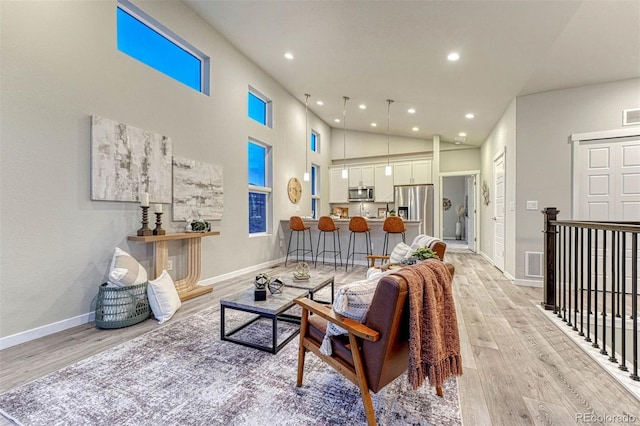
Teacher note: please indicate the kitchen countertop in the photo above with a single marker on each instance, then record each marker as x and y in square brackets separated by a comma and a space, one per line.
[346, 220]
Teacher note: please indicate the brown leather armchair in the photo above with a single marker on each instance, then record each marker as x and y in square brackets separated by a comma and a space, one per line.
[375, 352]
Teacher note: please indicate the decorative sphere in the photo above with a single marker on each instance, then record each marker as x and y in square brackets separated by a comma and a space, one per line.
[261, 282]
[275, 286]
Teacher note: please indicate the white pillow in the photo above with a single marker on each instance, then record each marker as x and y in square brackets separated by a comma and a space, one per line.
[125, 270]
[352, 301]
[163, 297]
[400, 252]
[424, 241]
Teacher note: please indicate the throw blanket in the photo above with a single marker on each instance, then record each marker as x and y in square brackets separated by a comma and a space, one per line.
[434, 343]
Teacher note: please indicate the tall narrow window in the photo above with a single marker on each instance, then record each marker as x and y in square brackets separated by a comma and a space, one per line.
[260, 107]
[147, 40]
[259, 164]
[315, 191]
[315, 141]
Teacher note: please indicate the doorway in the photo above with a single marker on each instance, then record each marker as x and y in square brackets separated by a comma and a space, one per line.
[458, 211]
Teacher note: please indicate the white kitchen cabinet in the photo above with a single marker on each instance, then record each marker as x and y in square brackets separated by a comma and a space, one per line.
[383, 185]
[338, 192]
[361, 176]
[416, 172]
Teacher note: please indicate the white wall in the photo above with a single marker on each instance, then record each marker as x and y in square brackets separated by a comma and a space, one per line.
[60, 65]
[459, 159]
[503, 136]
[364, 145]
[544, 158]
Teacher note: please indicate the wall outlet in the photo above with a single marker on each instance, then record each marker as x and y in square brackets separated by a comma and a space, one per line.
[169, 264]
[532, 205]
[297, 208]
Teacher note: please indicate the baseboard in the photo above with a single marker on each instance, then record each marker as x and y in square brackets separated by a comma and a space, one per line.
[487, 258]
[508, 276]
[236, 273]
[45, 330]
[529, 283]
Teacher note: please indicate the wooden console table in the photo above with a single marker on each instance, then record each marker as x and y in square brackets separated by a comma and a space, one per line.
[187, 287]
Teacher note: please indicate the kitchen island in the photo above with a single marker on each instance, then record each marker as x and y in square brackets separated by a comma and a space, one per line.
[377, 237]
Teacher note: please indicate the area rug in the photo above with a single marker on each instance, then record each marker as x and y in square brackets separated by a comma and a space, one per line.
[183, 374]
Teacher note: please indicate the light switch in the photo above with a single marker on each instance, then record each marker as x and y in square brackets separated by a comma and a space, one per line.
[532, 205]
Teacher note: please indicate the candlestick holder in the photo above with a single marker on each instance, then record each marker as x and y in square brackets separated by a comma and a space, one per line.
[145, 230]
[158, 230]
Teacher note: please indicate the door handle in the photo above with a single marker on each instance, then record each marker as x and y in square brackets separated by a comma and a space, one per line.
[493, 218]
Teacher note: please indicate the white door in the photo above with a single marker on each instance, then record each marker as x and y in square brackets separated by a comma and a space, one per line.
[608, 181]
[471, 212]
[607, 188]
[499, 172]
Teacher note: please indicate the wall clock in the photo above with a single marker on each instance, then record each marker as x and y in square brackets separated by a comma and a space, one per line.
[294, 190]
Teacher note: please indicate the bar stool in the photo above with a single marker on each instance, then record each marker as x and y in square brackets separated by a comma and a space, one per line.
[325, 225]
[297, 225]
[358, 225]
[392, 225]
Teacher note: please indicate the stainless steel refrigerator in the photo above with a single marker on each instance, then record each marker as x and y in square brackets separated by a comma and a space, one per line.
[415, 202]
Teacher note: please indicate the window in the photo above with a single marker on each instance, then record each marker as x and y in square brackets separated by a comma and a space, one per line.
[315, 191]
[147, 40]
[259, 164]
[315, 141]
[259, 107]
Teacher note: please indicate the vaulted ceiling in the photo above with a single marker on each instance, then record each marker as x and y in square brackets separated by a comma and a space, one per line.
[373, 51]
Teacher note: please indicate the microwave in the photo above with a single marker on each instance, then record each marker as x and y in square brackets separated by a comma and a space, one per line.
[363, 193]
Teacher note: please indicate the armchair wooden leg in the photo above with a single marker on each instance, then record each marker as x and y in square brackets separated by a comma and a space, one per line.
[362, 381]
[439, 391]
[301, 349]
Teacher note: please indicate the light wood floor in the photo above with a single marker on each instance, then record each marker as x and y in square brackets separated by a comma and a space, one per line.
[518, 368]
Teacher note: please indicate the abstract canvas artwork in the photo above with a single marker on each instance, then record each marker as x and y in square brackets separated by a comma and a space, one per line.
[197, 190]
[126, 160]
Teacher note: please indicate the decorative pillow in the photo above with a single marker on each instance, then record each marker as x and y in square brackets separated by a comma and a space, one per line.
[400, 252]
[352, 301]
[423, 241]
[163, 297]
[125, 270]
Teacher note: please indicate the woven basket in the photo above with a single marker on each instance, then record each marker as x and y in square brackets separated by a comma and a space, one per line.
[119, 307]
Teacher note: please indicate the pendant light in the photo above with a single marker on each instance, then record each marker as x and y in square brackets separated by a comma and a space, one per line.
[345, 172]
[306, 138]
[387, 169]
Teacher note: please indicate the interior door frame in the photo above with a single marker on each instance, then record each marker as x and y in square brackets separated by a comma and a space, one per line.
[476, 199]
[501, 153]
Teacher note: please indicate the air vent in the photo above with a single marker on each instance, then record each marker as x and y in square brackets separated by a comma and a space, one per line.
[459, 139]
[533, 264]
[631, 117]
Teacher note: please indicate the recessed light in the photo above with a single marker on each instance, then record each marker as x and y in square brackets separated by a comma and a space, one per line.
[415, 129]
[374, 124]
[362, 106]
[453, 56]
[288, 55]
[470, 115]
[337, 120]
[462, 134]
[411, 111]
[320, 103]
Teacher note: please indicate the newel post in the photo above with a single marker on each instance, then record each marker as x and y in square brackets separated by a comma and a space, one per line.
[550, 215]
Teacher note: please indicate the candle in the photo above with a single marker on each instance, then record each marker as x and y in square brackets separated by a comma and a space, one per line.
[144, 199]
[158, 208]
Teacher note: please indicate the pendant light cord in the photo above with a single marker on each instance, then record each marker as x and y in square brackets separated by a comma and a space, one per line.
[389, 102]
[306, 133]
[344, 133]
